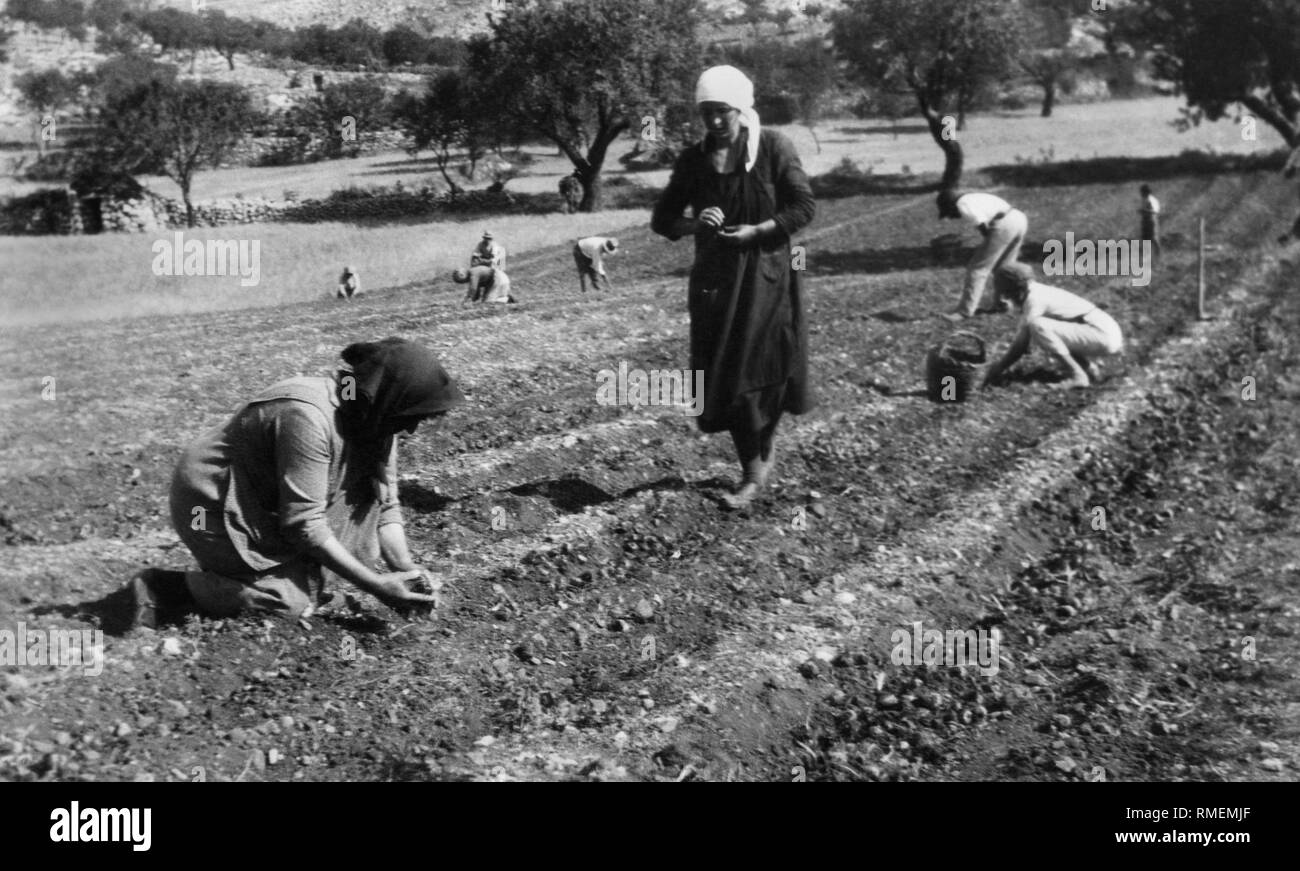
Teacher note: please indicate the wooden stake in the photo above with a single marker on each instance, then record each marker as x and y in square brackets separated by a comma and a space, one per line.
[1200, 277]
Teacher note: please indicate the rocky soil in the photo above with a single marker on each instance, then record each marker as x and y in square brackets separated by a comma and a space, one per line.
[602, 618]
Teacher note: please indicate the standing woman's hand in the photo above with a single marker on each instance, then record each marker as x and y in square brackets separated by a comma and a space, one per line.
[741, 236]
[711, 218]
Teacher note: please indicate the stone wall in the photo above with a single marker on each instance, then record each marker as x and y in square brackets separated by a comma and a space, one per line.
[307, 147]
[59, 211]
[218, 213]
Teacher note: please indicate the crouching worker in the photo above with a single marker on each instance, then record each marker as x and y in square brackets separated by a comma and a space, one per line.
[485, 284]
[589, 255]
[349, 284]
[1069, 328]
[299, 489]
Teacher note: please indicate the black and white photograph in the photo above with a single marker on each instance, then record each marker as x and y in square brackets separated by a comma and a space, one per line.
[651, 391]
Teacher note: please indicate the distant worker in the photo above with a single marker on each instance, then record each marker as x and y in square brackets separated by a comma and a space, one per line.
[349, 284]
[589, 254]
[571, 192]
[488, 253]
[485, 284]
[1003, 229]
[1069, 328]
[1150, 213]
[1291, 169]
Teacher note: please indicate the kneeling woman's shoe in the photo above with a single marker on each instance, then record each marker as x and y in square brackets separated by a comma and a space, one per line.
[155, 597]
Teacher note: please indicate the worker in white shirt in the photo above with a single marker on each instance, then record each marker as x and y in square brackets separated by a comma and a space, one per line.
[1003, 229]
[589, 255]
[488, 253]
[1290, 170]
[1068, 327]
[349, 284]
[1150, 213]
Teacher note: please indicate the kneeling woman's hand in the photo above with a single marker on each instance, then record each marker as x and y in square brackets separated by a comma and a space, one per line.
[394, 591]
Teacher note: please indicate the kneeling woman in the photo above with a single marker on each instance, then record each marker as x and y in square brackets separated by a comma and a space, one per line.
[747, 194]
[298, 487]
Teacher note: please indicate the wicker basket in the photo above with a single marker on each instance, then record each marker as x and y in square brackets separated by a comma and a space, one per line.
[960, 357]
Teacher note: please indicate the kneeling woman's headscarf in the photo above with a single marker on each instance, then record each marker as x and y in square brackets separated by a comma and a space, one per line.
[389, 380]
[726, 84]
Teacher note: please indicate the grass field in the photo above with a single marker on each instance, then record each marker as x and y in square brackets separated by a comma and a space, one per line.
[54, 279]
[51, 279]
[1133, 128]
[769, 638]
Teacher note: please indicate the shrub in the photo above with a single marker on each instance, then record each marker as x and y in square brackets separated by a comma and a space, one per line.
[51, 166]
[777, 108]
[1012, 102]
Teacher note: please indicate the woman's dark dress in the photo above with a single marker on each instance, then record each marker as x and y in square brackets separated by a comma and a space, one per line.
[748, 332]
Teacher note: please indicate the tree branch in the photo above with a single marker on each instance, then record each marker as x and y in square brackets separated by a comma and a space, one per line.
[1273, 117]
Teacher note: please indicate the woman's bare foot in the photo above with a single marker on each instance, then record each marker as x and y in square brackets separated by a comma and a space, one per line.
[743, 496]
[1073, 384]
[755, 479]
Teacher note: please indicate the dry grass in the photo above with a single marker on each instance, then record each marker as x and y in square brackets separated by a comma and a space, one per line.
[93, 277]
[76, 278]
[1118, 128]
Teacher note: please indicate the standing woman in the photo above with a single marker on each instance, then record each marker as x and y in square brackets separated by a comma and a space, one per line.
[299, 487]
[747, 194]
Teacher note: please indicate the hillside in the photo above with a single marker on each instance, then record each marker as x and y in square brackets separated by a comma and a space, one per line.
[442, 17]
[33, 49]
[452, 17]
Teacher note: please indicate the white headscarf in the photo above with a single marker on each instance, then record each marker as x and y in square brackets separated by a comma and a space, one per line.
[726, 84]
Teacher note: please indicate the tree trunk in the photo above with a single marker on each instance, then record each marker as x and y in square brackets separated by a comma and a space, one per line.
[443, 158]
[954, 158]
[475, 154]
[813, 131]
[1049, 98]
[589, 171]
[591, 189]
